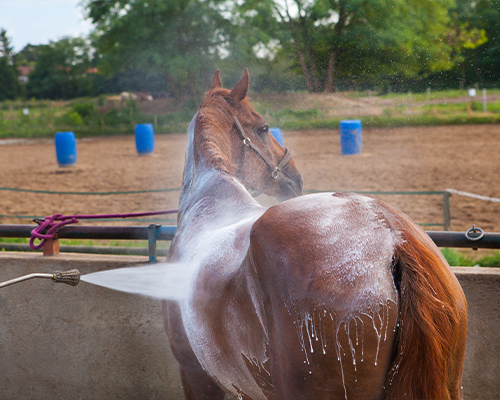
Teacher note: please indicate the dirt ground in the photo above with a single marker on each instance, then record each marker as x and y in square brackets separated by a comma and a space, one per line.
[404, 159]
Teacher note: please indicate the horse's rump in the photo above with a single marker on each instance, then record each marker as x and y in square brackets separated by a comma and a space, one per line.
[374, 307]
[324, 265]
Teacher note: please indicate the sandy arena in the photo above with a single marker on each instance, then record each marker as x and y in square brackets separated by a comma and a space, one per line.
[400, 159]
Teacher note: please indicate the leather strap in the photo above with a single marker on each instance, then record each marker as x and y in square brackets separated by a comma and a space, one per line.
[276, 170]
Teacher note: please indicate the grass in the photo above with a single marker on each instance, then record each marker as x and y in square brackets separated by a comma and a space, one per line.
[91, 242]
[437, 94]
[392, 118]
[457, 258]
[83, 117]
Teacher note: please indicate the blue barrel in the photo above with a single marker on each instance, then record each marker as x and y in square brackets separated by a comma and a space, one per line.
[144, 138]
[276, 132]
[350, 136]
[65, 148]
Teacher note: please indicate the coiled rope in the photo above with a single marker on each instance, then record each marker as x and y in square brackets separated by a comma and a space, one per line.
[48, 226]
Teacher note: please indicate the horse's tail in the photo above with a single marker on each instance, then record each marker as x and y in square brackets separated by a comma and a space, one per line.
[430, 342]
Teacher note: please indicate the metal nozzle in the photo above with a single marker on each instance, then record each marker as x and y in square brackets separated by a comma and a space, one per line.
[71, 277]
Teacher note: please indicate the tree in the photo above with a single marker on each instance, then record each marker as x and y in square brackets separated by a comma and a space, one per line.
[483, 61]
[181, 39]
[60, 71]
[28, 56]
[346, 39]
[464, 37]
[9, 83]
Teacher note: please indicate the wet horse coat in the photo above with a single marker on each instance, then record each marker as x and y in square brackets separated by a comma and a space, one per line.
[326, 296]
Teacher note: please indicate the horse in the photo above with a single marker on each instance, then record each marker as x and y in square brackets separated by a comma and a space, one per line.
[321, 296]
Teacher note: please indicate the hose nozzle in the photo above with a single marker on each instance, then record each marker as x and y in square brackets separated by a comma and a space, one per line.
[71, 277]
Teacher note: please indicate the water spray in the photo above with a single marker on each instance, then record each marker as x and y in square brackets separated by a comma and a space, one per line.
[71, 277]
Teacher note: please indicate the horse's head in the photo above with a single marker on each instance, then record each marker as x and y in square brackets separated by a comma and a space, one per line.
[230, 136]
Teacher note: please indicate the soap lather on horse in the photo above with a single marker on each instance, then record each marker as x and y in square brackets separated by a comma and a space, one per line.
[324, 296]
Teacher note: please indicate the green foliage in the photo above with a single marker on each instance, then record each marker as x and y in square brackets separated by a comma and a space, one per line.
[319, 45]
[460, 259]
[294, 119]
[490, 261]
[9, 84]
[60, 71]
[479, 61]
[352, 40]
[456, 259]
[180, 39]
[493, 107]
[82, 116]
[73, 118]
[162, 244]
[85, 109]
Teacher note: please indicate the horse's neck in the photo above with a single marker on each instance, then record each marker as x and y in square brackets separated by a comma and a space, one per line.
[206, 190]
[217, 194]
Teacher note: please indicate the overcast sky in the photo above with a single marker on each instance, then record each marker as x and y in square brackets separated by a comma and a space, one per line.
[39, 21]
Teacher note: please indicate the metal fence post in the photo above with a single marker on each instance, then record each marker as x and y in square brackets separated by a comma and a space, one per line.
[446, 210]
[152, 236]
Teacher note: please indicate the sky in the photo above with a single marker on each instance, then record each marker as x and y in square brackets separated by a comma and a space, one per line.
[39, 21]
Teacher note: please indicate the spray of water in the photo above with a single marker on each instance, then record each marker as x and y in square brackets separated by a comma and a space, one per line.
[167, 281]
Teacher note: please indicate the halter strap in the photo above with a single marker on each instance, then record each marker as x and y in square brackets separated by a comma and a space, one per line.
[247, 142]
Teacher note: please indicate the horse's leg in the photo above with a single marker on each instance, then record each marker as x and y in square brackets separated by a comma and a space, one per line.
[196, 383]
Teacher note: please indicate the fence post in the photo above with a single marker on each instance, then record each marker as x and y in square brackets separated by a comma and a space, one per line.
[11, 115]
[51, 115]
[484, 100]
[152, 236]
[51, 247]
[446, 210]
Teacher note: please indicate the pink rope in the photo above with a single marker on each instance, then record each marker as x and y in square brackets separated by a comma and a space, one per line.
[51, 224]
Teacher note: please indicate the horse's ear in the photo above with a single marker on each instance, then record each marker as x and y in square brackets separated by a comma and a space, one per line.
[216, 82]
[240, 90]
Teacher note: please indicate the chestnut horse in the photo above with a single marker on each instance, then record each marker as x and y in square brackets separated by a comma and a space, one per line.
[326, 296]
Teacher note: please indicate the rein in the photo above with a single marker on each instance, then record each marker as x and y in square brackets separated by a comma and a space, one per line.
[276, 170]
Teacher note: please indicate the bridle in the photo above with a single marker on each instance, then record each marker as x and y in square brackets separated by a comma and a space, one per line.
[275, 170]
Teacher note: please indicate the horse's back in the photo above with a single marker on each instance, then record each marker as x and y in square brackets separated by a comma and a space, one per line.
[324, 266]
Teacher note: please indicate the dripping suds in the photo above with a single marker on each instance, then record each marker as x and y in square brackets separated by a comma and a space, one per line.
[312, 331]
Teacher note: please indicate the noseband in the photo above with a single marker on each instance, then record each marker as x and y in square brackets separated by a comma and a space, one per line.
[276, 170]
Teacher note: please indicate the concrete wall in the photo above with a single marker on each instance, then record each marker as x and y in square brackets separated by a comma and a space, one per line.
[87, 342]
[83, 342]
[481, 379]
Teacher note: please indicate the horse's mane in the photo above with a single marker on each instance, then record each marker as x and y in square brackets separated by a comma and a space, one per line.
[212, 142]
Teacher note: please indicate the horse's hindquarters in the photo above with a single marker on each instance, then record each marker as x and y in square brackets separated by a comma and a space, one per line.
[330, 301]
